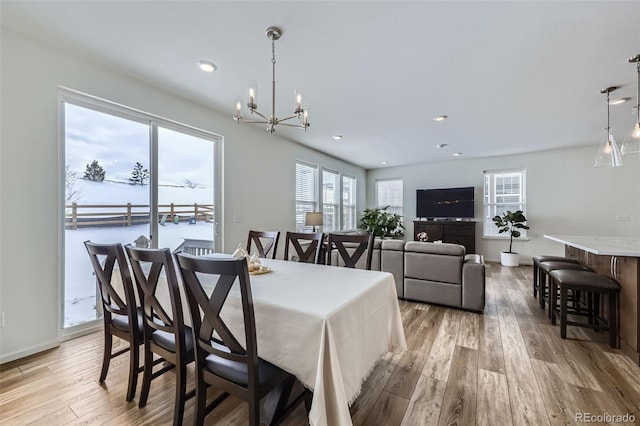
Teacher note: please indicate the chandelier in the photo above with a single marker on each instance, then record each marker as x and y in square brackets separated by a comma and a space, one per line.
[273, 33]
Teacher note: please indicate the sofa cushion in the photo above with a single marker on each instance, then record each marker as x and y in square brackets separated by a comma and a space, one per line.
[433, 267]
[433, 292]
[393, 244]
[435, 248]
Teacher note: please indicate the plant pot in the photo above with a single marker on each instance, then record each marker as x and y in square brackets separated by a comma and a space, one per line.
[509, 259]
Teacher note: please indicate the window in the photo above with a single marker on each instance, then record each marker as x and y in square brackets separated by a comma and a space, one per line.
[348, 202]
[330, 200]
[334, 193]
[126, 173]
[389, 192]
[306, 193]
[503, 190]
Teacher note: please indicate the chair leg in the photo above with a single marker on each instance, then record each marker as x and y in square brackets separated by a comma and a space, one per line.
[201, 400]
[106, 356]
[254, 411]
[181, 390]
[147, 376]
[563, 312]
[535, 280]
[134, 363]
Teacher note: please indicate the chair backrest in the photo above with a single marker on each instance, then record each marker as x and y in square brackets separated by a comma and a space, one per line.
[308, 254]
[205, 309]
[266, 243]
[147, 266]
[104, 258]
[358, 245]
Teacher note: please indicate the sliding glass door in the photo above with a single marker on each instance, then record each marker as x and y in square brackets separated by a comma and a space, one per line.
[132, 180]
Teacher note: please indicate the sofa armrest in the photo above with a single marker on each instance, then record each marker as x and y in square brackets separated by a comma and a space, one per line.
[473, 283]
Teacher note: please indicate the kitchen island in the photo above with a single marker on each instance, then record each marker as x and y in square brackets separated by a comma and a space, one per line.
[619, 258]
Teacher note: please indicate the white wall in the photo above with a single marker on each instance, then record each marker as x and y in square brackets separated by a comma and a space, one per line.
[30, 178]
[565, 195]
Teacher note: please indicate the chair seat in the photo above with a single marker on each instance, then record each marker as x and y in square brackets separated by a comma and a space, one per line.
[236, 372]
[166, 340]
[557, 265]
[121, 322]
[584, 280]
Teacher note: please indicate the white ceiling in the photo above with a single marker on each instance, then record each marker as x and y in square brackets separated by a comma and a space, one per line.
[513, 77]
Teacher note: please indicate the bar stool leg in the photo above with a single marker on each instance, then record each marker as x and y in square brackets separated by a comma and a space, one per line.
[613, 319]
[596, 311]
[536, 270]
[563, 312]
[552, 300]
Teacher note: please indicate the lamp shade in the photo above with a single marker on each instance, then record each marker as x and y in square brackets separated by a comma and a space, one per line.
[313, 219]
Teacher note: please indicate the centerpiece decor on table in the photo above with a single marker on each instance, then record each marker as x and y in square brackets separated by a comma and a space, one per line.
[253, 261]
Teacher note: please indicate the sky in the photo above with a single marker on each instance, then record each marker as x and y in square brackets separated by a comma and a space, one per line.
[119, 143]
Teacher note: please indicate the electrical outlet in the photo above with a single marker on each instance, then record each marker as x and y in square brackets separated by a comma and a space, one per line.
[622, 217]
[238, 218]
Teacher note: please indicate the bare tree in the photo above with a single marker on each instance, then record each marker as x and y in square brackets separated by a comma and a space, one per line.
[72, 192]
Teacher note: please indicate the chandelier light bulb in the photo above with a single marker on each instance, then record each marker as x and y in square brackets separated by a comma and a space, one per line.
[636, 131]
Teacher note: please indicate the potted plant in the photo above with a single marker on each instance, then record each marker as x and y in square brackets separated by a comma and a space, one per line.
[510, 222]
[381, 223]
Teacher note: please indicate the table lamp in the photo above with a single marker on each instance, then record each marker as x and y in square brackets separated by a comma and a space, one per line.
[313, 219]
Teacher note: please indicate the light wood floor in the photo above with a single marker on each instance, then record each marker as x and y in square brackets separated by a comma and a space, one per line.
[508, 366]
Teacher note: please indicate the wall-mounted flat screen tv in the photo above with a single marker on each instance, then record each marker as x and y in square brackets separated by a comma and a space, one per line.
[445, 203]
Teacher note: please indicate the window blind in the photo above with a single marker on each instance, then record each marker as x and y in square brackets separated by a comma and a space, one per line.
[503, 190]
[389, 192]
[348, 202]
[306, 193]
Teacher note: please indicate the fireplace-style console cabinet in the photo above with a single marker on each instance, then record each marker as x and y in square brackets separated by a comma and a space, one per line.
[463, 233]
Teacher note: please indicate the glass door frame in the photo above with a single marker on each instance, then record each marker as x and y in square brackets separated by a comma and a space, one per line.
[66, 95]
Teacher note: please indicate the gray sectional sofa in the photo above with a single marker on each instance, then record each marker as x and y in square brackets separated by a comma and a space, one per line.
[429, 272]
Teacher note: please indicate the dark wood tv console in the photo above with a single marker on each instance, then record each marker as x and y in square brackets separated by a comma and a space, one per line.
[463, 233]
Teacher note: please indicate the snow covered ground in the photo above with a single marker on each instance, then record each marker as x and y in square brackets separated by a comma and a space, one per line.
[80, 289]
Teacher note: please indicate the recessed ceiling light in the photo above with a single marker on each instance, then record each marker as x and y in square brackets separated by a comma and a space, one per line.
[619, 101]
[457, 154]
[337, 137]
[440, 118]
[384, 162]
[441, 145]
[207, 66]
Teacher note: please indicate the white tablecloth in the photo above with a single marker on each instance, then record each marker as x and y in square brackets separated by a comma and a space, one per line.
[326, 325]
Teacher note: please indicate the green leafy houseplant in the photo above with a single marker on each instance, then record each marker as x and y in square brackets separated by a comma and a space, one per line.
[381, 223]
[510, 222]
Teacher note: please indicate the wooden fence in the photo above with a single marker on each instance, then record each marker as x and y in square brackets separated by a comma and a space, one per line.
[79, 215]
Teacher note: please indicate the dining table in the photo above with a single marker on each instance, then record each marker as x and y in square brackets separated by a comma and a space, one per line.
[326, 325]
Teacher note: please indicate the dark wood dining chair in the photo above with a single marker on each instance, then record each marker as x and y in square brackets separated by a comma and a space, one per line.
[266, 243]
[164, 331]
[121, 317]
[358, 245]
[308, 254]
[222, 361]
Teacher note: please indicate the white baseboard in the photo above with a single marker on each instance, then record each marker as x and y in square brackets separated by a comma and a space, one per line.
[29, 351]
[81, 331]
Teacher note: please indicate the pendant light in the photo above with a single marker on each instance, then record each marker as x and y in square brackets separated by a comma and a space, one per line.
[608, 153]
[631, 144]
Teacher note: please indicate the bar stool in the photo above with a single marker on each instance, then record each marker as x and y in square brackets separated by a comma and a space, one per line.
[594, 284]
[553, 265]
[536, 267]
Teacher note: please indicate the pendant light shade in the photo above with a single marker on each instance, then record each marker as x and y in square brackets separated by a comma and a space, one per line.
[608, 153]
[631, 143]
